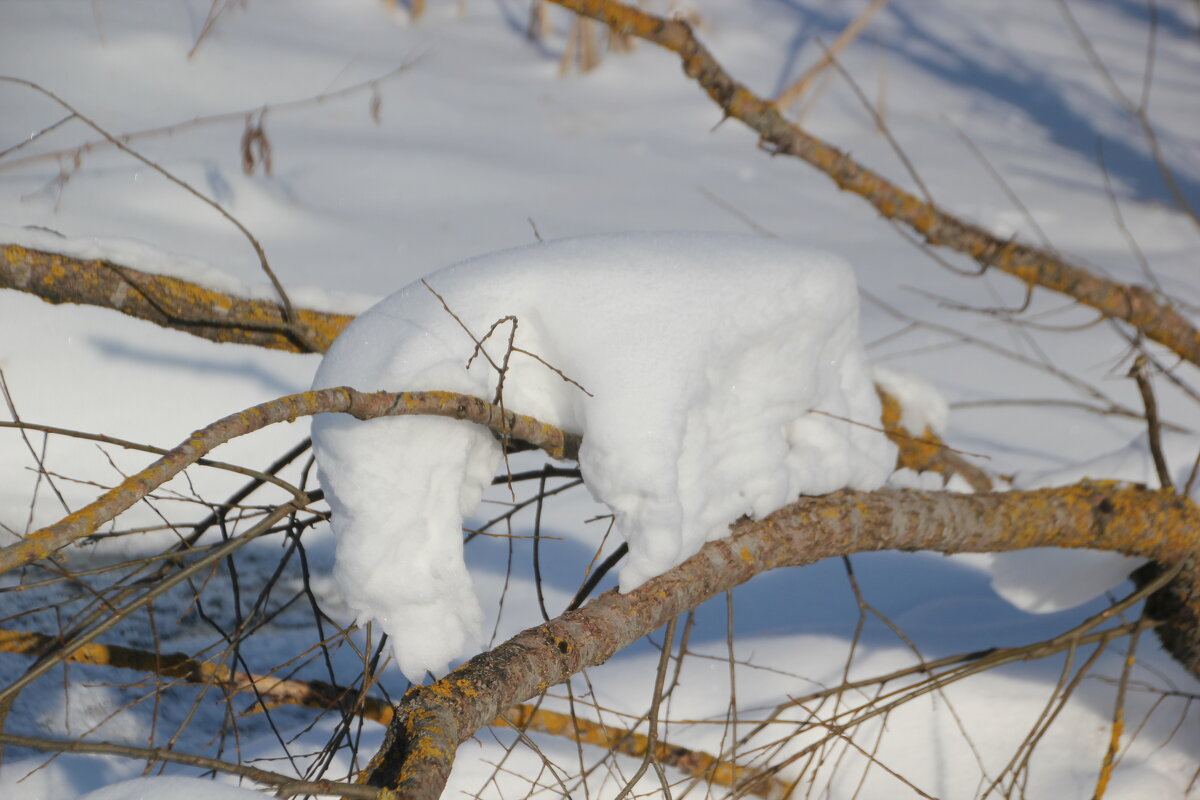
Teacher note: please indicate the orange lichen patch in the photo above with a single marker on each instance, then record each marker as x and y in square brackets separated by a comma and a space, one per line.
[442, 688]
[746, 556]
[926, 452]
[423, 746]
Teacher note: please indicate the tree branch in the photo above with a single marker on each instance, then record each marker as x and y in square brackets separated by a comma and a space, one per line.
[43, 543]
[433, 720]
[1134, 305]
[168, 302]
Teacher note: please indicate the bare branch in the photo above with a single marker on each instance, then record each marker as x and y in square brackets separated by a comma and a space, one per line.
[41, 544]
[169, 302]
[1140, 373]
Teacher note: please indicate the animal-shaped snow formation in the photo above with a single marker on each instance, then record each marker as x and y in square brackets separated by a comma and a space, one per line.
[704, 355]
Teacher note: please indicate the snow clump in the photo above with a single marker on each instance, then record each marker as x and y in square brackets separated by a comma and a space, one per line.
[704, 356]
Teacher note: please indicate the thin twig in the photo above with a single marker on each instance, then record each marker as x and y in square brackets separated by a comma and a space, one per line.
[851, 32]
[1154, 430]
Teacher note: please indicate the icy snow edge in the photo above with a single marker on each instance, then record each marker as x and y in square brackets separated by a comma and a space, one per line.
[703, 355]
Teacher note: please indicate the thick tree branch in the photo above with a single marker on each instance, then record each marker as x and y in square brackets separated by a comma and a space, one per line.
[433, 720]
[1135, 305]
[43, 543]
[169, 302]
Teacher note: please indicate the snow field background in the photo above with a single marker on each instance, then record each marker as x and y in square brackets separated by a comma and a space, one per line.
[475, 139]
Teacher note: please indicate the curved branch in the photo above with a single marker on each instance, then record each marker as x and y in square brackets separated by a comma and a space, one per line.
[1135, 305]
[433, 720]
[45, 542]
[165, 301]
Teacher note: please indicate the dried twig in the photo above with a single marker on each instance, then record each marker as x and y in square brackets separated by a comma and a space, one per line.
[851, 32]
[77, 152]
[283, 785]
[1140, 374]
[1118, 726]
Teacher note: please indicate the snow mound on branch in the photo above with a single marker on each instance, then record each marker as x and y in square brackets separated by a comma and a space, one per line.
[703, 356]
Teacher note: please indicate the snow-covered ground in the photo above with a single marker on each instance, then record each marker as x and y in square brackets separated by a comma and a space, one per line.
[479, 145]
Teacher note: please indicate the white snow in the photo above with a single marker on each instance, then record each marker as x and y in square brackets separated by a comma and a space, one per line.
[1043, 580]
[694, 361]
[173, 788]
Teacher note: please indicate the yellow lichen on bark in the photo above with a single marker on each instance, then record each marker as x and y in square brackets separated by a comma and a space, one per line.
[166, 301]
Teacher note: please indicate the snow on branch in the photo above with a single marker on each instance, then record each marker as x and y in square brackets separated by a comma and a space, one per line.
[432, 720]
[1134, 305]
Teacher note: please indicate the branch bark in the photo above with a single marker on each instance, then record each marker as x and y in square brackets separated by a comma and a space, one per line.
[168, 302]
[433, 720]
[1134, 305]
